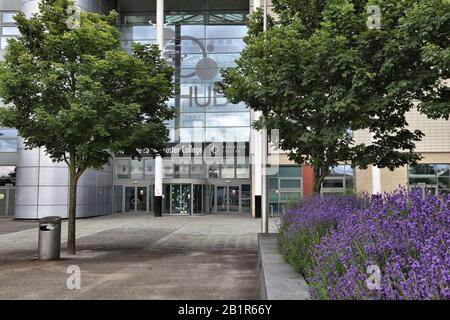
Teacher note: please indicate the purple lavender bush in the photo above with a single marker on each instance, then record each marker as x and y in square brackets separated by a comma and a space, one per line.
[335, 240]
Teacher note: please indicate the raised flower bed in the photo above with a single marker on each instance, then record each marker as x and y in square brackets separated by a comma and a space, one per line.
[395, 246]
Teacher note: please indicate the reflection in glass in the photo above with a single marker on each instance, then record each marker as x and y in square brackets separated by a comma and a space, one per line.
[233, 198]
[122, 169]
[7, 175]
[8, 145]
[246, 195]
[117, 204]
[137, 169]
[141, 200]
[129, 199]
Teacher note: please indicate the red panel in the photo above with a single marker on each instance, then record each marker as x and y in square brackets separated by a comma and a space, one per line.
[308, 181]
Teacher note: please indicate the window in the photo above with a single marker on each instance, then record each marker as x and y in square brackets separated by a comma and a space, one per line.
[8, 17]
[137, 169]
[8, 140]
[10, 31]
[8, 28]
[285, 188]
[122, 169]
[432, 177]
[340, 180]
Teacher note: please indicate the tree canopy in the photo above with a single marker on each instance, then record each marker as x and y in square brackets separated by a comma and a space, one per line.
[322, 72]
[78, 94]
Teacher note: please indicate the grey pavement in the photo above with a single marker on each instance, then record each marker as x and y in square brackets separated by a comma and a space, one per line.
[137, 257]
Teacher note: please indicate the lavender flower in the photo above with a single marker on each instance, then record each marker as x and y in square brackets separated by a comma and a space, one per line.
[333, 239]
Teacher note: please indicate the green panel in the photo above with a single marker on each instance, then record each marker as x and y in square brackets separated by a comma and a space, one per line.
[291, 171]
[290, 184]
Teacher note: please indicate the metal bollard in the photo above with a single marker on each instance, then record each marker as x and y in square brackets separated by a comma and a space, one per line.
[49, 245]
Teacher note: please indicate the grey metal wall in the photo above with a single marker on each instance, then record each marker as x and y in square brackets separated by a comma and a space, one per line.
[42, 187]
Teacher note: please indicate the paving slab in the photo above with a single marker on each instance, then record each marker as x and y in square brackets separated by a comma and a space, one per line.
[139, 257]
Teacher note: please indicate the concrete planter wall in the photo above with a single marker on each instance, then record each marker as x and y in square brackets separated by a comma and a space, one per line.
[277, 279]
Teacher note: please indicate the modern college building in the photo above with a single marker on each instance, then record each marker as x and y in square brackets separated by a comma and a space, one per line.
[199, 37]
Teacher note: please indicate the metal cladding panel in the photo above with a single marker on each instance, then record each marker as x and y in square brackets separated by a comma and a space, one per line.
[56, 176]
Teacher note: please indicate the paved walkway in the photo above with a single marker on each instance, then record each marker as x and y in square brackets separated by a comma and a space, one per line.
[139, 257]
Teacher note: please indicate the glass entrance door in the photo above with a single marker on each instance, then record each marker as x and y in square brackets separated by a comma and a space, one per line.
[181, 199]
[135, 199]
[228, 198]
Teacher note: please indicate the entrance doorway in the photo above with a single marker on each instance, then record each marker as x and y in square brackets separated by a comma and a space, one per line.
[136, 199]
[228, 198]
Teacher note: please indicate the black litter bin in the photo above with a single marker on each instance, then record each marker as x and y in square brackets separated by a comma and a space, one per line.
[49, 244]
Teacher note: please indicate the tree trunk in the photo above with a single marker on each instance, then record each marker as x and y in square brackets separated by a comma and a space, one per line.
[317, 180]
[72, 205]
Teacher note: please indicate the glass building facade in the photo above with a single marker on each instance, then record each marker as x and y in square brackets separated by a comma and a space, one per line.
[200, 39]
[434, 178]
[208, 167]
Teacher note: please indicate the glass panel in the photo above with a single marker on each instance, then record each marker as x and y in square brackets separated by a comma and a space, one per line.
[349, 183]
[425, 180]
[176, 197]
[233, 198]
[181, 171]
[166, 198]
[273, 196]
[151, 194]
[289, 197]
[290, 184]
[122, 169]
[8, 145]
[444, 183]
[168, 169]
[214, 172]
[211, 198]
[221, 199]
[197, 171]
[3, 201]
[141, 201]
[273, 183]
[246, 195]
[198, 198]
[129, 199]
[137, 169]
[338, 171]
[118, 193]
[10, 31]
[292, 171]
[228, 119]
[7, 175]
[8, 17]
[181, 199]
[228, 172]
[217, 32]
[186, 199]
[423, 169]
[443, 170]
[9, 133]
[333, 184]
[149, 168]
[4, 42]
[242, 172]
[11, 202]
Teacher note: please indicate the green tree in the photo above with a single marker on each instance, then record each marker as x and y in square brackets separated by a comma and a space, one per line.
[322, 72]
[79, 95]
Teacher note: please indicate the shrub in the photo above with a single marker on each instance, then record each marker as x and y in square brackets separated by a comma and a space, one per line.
[332, 241]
